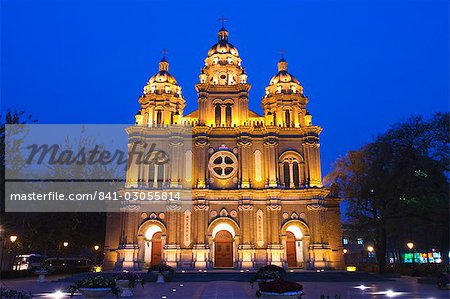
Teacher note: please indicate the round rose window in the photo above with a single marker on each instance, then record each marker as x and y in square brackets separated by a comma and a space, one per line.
[223, 164]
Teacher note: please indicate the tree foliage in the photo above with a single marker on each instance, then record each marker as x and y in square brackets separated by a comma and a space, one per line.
[397, 186]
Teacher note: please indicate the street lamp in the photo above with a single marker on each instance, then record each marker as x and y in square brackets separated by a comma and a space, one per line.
[96, 248]
[370, 248]
[410, 245]
[345, 251]
[65, 244]
[13, 238]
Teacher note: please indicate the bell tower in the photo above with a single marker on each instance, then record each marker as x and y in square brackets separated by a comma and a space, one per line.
[284, 104]
[223, 88]
[162, 103]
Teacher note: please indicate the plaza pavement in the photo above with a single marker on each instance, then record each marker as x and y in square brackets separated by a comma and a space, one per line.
[402, 287]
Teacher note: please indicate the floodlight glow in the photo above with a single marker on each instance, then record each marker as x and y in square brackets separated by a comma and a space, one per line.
[57, 294]
[362, 287]
[389, 293]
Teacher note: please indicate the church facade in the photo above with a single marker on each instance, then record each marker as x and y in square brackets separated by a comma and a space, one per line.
[257, 192]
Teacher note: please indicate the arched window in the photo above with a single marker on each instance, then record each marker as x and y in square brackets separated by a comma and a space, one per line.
[217, 112]
[228, 115]
[158, 117]
[291, 169]
[287, 117]
[286, 174]
[160, 175]
[296, 172]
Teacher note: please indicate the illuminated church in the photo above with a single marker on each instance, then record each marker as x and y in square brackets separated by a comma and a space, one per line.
[257, 193]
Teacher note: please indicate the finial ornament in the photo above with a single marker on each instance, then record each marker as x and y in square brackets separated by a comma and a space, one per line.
[223, 20]
[164, 52]
[163, 64]
[282, 64]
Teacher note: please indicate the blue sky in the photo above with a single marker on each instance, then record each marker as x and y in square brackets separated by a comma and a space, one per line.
[364, 64]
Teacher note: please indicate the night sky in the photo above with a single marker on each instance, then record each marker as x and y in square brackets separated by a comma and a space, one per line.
[364, 64]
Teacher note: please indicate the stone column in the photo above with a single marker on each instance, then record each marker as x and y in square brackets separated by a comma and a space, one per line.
[244, 144]
[246, 249]
[128, 250]
[319, 249]
[312, 155]
[202, 143]
[291, 175]
[271, 143]
[172, 249]
[275, 247]
[223, 115]
[175, 145]
[201, 246]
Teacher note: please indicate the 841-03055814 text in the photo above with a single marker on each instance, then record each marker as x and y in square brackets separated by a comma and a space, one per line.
[98, 195]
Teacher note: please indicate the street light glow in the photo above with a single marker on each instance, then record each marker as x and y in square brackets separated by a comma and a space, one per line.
[13, 239]
[65, 244]
[410, 245]
[370, 248]
[96, 247]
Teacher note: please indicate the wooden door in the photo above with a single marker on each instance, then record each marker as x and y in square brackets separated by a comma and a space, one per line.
[156, 249]
[290, 250]
[223, 253]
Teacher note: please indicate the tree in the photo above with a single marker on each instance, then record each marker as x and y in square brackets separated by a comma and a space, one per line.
[397, 185]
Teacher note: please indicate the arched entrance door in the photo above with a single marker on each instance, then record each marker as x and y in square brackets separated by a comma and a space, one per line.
[290, 250]
[223, 252]
[156, 249]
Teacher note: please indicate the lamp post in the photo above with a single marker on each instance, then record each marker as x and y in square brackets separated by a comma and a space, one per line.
[96, 248]
[12, 239]
[370, 249]
[410, 245]
[65, 244]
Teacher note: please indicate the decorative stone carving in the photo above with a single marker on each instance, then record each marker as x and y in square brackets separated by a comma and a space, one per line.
[173, 208]
[285, 215]
[202, 141]
[294, 215]
[213, 213]
[245, 207]
[260, 228]
[223, 213]
[274, 207]
[244, 141]
[144, 215]
[271, 141]
[153, 216]
[233, 213]
[161, 215]
[187, 227]
[201, 207]
[315, 207]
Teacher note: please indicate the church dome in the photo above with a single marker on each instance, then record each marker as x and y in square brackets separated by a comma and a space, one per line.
[163, 81]
[223, 46]
[283, 76]
[163, 75]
